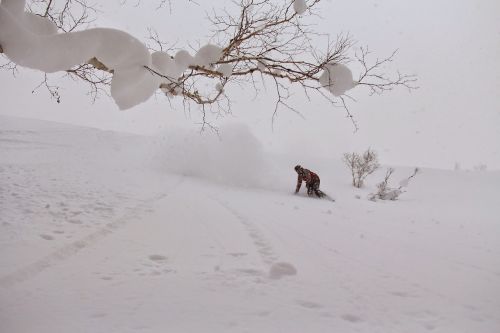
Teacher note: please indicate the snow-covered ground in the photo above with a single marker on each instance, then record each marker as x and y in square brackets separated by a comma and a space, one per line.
[107, 232]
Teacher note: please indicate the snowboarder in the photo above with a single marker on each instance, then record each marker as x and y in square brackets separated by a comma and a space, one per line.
[311, 179]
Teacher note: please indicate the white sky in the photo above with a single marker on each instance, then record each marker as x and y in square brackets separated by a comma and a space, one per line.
[453, 47]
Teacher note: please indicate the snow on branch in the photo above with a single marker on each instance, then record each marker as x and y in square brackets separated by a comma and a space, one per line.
[265, 40]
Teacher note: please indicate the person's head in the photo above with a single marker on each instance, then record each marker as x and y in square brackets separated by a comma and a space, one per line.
[299, 169]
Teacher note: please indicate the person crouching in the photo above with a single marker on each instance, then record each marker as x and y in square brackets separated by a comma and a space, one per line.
[312, 181]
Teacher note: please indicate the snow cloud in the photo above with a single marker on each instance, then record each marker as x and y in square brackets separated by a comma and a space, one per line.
[235, 158]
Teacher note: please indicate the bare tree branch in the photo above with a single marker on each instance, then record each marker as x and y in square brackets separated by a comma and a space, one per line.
[377, 81]
[53, 90]
[265, 37]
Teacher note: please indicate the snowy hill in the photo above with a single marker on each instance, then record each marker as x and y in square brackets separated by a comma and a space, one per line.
[108, 232]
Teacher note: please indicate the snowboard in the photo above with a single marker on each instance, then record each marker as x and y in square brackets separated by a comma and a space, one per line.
[323, 196]
[326, 196]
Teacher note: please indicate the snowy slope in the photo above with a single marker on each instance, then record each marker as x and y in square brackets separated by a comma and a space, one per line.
[101, 232]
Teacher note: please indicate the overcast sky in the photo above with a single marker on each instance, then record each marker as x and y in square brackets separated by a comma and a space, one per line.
[452, 46]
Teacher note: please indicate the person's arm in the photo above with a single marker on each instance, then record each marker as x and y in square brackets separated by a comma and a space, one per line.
[299, 183]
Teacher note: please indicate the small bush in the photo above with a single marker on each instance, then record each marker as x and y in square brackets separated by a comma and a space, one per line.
[385, 192]
[361, 165]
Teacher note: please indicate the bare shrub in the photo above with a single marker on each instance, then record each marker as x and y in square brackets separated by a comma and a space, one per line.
[385, 192]
[361, 165]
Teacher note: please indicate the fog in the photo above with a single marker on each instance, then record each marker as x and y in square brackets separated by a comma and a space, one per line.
[453, 118]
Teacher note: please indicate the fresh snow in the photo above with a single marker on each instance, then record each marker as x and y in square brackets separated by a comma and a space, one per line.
[108, 232]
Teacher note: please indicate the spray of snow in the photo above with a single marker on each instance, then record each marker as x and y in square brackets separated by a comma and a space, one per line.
[235, 157]
[337, 79]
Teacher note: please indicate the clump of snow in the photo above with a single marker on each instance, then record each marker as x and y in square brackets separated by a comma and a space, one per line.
[300, 6]
[281, 269]
[404, 182]
[225, 69]
[14, 6]
[39, 25]
[337, 78]
[390, 194]
[166, 66]
[132, 86]
[31, 42]
[207, 55]
[183, 59]
[261, 65]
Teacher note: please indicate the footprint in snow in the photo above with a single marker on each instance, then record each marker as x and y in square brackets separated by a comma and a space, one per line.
[351, 318]
[281, 269]
[155, 265]
[98, 315]
[400, 294]
[158, 258]
[263, 313]
[47, 237]
[309, 304]
[250, 272]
